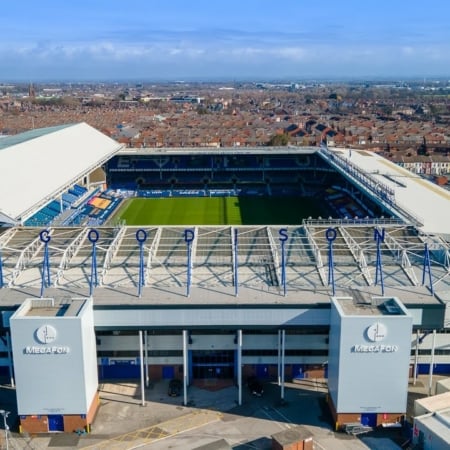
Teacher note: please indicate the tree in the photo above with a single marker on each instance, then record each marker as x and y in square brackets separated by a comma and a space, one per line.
[201, 110]
[278, 140]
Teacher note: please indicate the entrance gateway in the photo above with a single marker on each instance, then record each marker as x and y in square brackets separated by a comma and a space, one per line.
[213, 364]
[209, 354]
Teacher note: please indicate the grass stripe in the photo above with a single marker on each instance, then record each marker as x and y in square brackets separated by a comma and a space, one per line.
[218, 211]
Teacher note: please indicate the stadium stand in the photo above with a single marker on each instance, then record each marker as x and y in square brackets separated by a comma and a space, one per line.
[74, 150]
[53, 210]
[214, 174]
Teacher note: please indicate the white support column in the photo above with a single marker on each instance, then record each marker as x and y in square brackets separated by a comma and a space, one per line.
[10, 361]
[141, 358]
[239, 363]
[279, 358]
[416, 357]
[283, 339]
[147, 379]
[185, 366]
[433, 345]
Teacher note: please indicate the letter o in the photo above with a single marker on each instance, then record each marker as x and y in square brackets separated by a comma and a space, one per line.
[141, 235]
[330, 234]
[93, 235]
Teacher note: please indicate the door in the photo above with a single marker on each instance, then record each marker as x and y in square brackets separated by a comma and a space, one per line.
[369, 419]
[168, 372]
[298, 371]
[262, 371]
[55, 422]
[212, 364]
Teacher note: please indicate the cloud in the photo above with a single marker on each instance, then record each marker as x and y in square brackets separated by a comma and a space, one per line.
[162, 54]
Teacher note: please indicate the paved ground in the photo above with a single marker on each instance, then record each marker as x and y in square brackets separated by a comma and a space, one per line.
[212, 414]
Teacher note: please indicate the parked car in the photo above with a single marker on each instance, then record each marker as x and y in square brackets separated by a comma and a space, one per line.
[175, 387]
[255, 386]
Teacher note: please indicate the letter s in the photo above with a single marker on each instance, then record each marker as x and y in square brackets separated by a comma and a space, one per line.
[283, 234]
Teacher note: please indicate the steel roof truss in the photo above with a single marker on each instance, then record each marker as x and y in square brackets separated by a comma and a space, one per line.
[399, 251]
[27, 254]
[358, 254]
[69, 253]
[275, 257]
[111, 252]
[317, 256]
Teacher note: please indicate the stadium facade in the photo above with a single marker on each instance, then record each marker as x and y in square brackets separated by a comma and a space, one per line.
[195, 302]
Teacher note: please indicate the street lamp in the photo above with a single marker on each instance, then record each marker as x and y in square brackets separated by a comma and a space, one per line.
[5, 414]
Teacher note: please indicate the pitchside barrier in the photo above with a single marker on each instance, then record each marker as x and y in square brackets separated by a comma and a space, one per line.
[166, 193]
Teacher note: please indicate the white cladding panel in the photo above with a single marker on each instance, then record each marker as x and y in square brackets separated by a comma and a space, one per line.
[89, 356]
[372, 375]
[63, 378]
[211, 317]
[202, 341]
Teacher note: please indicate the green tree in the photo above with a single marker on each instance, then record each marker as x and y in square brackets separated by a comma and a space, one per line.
[201, 110]
[278, 140]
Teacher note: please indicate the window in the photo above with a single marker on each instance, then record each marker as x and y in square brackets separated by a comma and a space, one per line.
[297, 352]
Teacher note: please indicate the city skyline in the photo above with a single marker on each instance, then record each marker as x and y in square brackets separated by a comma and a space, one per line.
[149, 40]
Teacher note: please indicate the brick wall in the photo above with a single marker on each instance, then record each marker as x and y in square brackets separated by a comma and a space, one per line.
[93, 409]
[34, 424]
[74, 422]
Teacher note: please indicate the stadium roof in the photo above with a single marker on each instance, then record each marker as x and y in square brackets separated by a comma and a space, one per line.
[38, 165]
[415, 198]
[254, 261]
[9, 141]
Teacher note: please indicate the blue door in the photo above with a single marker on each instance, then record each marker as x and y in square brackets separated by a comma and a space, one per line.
[369, 419]
[168, 372]
[297, 371]
[55, 422]
[262, 371]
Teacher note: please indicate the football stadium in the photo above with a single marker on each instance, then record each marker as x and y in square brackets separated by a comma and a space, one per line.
[216, 264]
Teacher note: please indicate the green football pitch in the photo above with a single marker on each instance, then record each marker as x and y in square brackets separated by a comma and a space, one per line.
[217, 211]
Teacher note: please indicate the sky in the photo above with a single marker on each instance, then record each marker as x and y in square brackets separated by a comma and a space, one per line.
[208, 40]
